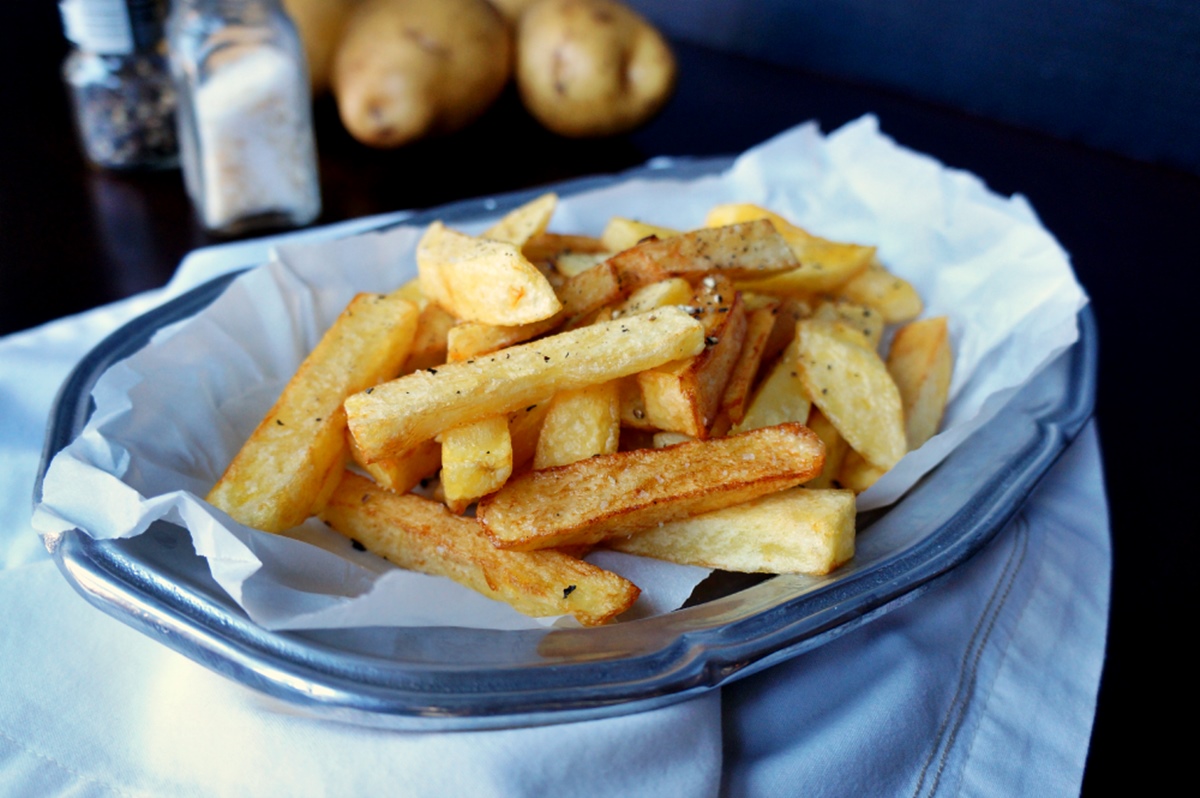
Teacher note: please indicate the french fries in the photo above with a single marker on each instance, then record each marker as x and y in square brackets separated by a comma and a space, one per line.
[290, 464]
[714, 396]
[421, 535]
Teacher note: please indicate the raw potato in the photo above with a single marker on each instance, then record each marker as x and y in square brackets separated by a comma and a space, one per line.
[591, 67]
[406, 69]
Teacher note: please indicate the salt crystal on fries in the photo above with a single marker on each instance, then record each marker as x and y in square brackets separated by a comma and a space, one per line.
[622, 493]
[397, 415]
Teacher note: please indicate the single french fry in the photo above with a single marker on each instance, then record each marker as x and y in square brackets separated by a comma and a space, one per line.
[685, 396]
[863, 319]
[550, 247]
[522, 224]
[621, 233]
[524, 429]
[397, 415]
[478, 279]
[893, 296]
[857, 473]
[618, 494]
[421, 535]
[429, 342]
[835, 450]
[854, 390]
[581, 423]
[738, 251]
[476, 460]
[796, 531]
[292, 461]
[759, 324]
[404, 472]
[671, 291]
[921, 363]
[824, 265]
[781, 396]
[473, 339]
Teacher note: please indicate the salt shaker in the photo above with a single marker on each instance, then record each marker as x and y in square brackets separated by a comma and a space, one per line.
[120, 83]
[245, 115]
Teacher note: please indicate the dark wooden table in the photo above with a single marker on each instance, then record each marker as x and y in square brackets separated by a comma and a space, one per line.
[72, 238]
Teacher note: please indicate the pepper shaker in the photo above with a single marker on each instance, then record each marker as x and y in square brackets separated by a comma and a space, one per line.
[245, 116]
[119, 82]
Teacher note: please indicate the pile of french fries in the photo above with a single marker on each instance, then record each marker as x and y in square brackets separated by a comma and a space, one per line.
[712, 397]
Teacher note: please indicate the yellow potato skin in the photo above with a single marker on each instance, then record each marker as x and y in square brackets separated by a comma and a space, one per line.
[407, 69]
[591, 67]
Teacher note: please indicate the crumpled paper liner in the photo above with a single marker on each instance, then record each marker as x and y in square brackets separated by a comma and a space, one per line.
[170, 418]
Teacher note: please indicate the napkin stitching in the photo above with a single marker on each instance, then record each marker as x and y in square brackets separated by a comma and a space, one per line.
[968, 669]
[62, 766]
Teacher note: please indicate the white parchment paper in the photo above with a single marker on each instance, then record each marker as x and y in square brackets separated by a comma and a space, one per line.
[170, 418]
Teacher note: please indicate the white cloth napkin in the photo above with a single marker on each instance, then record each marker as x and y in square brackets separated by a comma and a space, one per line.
[983, 685]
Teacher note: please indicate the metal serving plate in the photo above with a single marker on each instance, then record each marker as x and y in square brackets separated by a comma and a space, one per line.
[421, 678]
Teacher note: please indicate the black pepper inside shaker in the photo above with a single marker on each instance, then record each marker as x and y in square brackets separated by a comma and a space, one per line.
[119, 80]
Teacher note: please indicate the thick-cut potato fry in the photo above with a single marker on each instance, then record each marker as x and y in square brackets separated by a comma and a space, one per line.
[548, 246]
[686, 396]
[421, 535]
[404, 472]
[738, 251]
[864, 319]
[476, 460]
[857, 473]
[618, 494]
[759, 324]
[835, 450]
[854, 390]
[429, 342]
[621, 233]
[671, 291]
[791, 310]
[478, 279]
[521, 224]
[524, 429]
[921, 364]
[581, 423]
[824, 264]
[796, 531]
[781, 396]
[569, 264]
[397, 415]
[895, 297]
[472, 338]
[291, 462]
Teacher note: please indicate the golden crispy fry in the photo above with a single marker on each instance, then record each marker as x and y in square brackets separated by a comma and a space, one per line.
[796, 531]
[291, 462]
[421, 535]
[671, 291]
[524, 223]
[854, 390]
[921, 364]
[429, 343]
[476, 460]
[478, 279]
[621, 233]
[472, 339]
[551, 246]
[738, 251]
[759, 324]
[835, 450]
[863, 319]
[397, 415]
[618, 494]
[580, 424]
[569, 264]
[781, 396]
[404, 472]
[824, 264]
[894, 296]
[857, 473]
[524, 429]
[685, 396]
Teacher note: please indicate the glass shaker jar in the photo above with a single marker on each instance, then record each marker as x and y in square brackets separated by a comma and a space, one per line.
[245, 114]
[120, 83]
